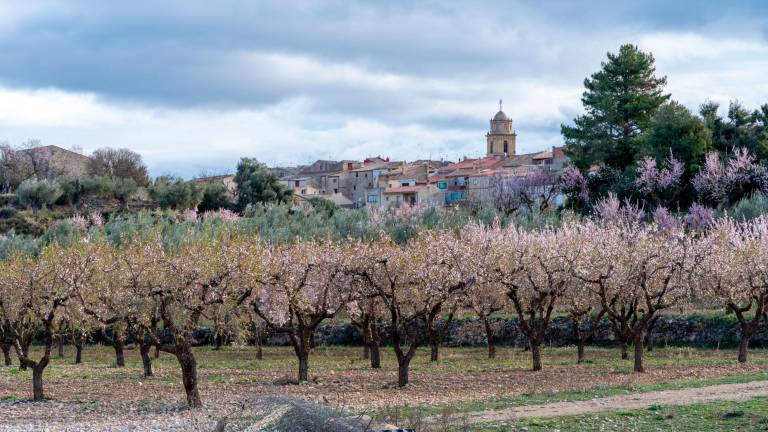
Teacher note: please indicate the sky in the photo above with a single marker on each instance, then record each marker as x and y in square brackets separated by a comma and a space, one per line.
[194, 85]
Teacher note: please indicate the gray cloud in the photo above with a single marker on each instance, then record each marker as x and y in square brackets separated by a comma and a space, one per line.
[422, 75]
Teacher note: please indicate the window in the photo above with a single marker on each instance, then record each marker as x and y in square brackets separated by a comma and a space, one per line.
[335, 191]
[296, 183]
[442, 185]
[506, 147]
[373, 198]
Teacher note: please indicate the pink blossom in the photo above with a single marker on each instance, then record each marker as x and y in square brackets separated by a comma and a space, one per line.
[572, 179]
[700, 217]
[652, 179]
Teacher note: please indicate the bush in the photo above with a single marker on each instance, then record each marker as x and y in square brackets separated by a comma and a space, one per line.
[8, 199]
[7, 213]
[750, 208]
[38, 194]
[215, 197]
[175, 193]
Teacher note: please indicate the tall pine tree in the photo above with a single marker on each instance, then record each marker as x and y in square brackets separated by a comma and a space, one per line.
[619, 103]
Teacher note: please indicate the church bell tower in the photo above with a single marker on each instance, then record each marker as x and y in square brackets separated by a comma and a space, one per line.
[501, 138]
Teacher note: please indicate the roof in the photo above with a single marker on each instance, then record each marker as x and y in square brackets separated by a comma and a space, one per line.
[500, 116]
[405, 189]
[486, 162]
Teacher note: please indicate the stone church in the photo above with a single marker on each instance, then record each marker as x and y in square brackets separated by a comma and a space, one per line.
[501, 138]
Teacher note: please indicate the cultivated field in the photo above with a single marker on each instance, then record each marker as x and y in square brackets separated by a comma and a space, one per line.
[98, 395]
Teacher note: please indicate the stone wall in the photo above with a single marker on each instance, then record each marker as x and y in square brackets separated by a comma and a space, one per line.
[699, 332]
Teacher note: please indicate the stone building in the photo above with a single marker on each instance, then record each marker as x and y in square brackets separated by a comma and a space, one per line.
[500, 139]
[52, 161]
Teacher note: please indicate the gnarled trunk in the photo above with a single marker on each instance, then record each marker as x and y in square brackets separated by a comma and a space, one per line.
[489, 338]
[60, 346]
[743, 346]
[536, 356]
[375, 344]
[37, 380]
[79, 348]
[6, 353]
[146, 360]
[117, 344]
[624, 352]
[639, 351]
[402, 372]
[580, 351]
[189, 374]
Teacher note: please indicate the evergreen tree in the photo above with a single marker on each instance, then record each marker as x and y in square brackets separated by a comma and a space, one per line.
[619, 102]
[256, 184]
[675, 130]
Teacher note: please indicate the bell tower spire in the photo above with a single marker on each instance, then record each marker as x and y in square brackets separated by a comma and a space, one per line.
[501, 138]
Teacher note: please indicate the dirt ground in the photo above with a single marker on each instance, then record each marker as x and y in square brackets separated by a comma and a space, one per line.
[96, 395]
[687, 396]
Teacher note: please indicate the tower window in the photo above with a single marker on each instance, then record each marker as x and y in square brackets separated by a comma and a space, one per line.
[506, 147]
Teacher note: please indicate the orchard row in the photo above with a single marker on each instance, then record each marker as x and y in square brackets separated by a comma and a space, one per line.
[161, 290]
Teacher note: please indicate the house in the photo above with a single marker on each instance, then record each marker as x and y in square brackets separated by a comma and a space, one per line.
[424, 194]
[52, 161]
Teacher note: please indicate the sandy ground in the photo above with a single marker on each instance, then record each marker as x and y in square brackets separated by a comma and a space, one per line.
[687, 396]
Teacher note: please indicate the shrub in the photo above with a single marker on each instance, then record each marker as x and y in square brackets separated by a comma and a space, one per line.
[38, 194]
[175, 193]
[215, 197]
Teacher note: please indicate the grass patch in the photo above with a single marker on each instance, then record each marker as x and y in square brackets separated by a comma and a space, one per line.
[749, 415]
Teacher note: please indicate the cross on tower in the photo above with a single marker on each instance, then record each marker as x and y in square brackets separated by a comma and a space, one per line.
[500, 105]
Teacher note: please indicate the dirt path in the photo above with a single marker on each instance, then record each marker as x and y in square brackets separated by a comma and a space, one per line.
[687, 396]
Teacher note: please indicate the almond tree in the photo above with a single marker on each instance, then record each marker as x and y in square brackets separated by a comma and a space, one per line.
[118, 296]
[388, 269]
[34, 295]
[637, 271]
[187, 278]
[486, 296]
[733, 273]
[443, 271]
[545, 276]
[582, 303]
[366, 314]
[303, 285]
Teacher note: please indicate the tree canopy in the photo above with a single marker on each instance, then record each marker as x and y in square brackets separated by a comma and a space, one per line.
[620, 102]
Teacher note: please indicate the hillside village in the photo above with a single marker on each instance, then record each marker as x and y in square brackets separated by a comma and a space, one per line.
[379, 181]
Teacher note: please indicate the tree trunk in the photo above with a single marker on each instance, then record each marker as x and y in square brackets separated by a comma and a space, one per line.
[37, 380]
[302, 346]
[639, 351]
[649, 341]
[489, 338]
[375, 347]
[23, 354]
[77, 342]
[304, 366]
[61, 346]
[375, 356]
[146, 360]
[117, 344]
[576, 320]
[743, 345]
[435, 354]
[78, 348]
[189, 374]
[536, 355]
[402, 372]
[157, 351]
[366, 352]
[6, 354]
[624, 353]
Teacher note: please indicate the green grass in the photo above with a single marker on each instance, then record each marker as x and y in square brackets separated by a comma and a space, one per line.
[749, 415]
[598, 391]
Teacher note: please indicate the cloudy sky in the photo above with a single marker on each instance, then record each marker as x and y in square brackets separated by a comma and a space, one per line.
[193, 85]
